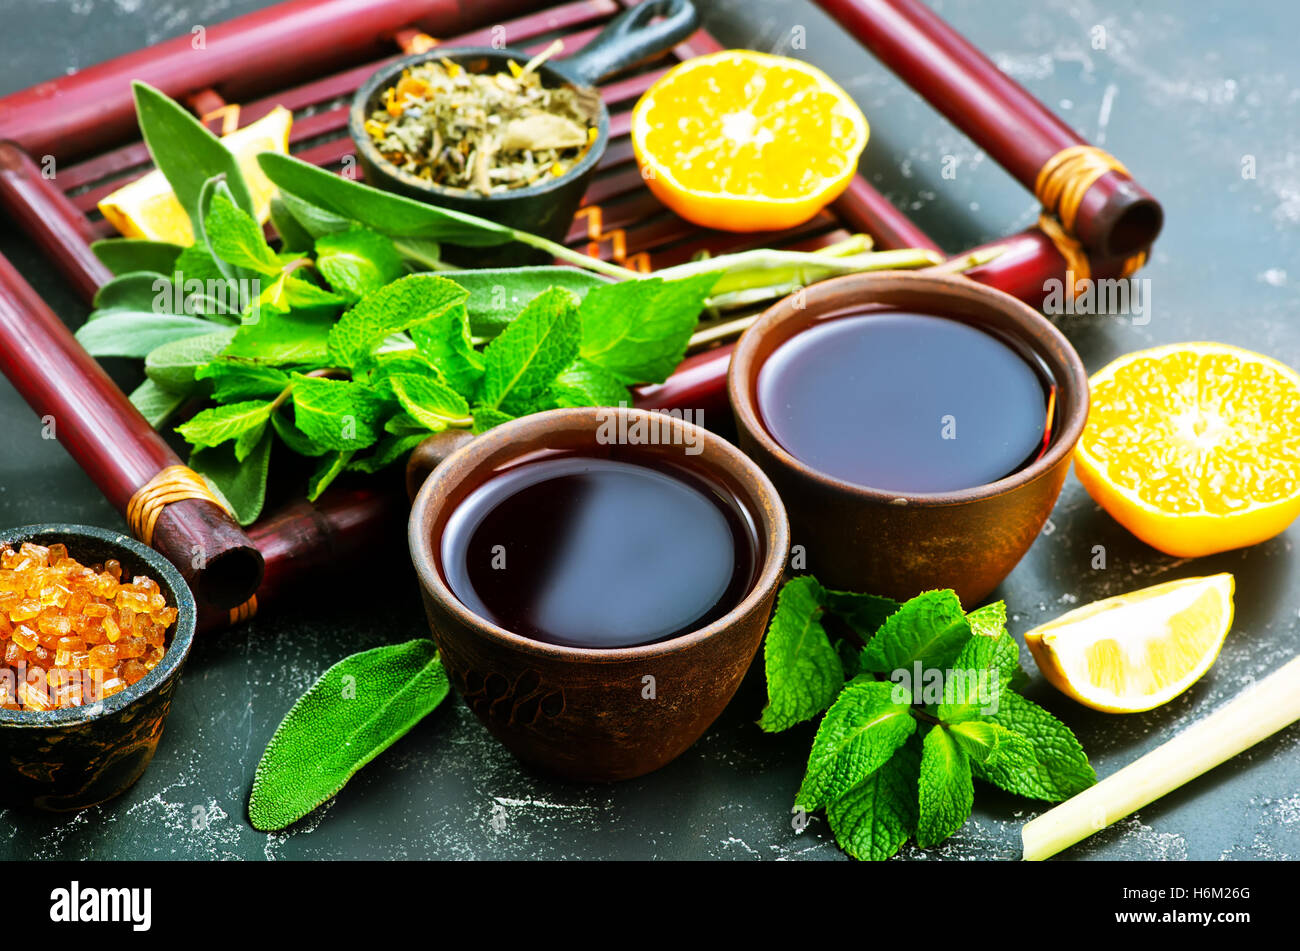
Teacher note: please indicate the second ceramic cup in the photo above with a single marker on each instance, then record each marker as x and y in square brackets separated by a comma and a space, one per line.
[598, 714]
[899, 543]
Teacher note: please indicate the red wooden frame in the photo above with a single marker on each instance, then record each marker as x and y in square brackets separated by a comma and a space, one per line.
[86, 124]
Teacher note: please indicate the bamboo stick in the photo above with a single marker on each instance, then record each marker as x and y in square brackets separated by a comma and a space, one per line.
[1253, 715]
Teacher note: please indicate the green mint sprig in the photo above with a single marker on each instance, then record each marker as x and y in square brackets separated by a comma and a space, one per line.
[918, 701]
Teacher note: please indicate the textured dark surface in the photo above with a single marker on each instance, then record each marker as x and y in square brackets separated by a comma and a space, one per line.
[1185, 96]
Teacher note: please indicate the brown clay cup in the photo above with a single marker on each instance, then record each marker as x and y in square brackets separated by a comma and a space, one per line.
[595, 714]
[895, 544]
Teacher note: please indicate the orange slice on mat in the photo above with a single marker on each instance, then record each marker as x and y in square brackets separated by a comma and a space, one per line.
[745, 141]
[1194, 447]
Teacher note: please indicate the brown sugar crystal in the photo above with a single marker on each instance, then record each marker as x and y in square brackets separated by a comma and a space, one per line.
[73, 633]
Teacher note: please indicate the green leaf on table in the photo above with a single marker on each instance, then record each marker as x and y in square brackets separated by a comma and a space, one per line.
[219, 424]
[931, 628]
[522, 363]
[1060, 768]
[946, 791]
[974, 680]
[133, 333]
[496, 295]
[175, 366]
[803, 669]
[873, 819]
[357, 262]
[356, 710]
[585, 384]
[154, 403]
[337, 414]
[311, 219]
[327, 472]
[990, 620]
[405, 303]
[126, 255]
[639, 330]
[382, 211]
[295, 438]
[433, 403]
[185, 151]
[235, 237]
[446, 341]
[196, 263]
[241, 483]
[858, 735]
[864, 613]
[234, 381]
[290, 292]
[986, 743]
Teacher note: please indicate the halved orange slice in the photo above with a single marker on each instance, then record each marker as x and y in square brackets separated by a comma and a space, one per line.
[1194, 447]
[746, 141]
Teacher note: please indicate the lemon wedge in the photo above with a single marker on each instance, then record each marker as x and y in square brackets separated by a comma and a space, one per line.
[147, 208]
[1136, 651]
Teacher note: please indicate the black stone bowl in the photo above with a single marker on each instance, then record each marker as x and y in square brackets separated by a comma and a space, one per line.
[546, 208]
[70, 758]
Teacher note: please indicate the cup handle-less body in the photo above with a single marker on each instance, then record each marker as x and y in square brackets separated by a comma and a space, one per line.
[630, 38]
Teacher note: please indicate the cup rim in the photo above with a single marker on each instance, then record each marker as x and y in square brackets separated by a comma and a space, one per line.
[182, 638]
[357, 115]
[1036, 331]
[770, 516]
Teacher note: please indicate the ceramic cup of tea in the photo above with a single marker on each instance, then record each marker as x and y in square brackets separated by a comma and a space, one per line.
[598, 581]
[918, 428]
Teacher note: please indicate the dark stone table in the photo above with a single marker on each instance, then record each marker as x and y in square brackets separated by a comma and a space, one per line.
[1183, 95]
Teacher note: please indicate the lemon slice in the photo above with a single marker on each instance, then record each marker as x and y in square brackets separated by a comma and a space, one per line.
[1136, 651]
[147, 208]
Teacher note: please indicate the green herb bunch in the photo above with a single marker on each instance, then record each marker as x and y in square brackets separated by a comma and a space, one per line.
[341, 354]
[906, 730]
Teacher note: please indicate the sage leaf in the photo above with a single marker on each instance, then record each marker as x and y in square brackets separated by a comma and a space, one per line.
[139, 290]
[241, 484]
[383, 211]
[521, 364]
[313, 220]
[356, 710]
[293, 236]
[126, 255]
[496, 295]
[186, 152]
[155, 403]
[133, 333]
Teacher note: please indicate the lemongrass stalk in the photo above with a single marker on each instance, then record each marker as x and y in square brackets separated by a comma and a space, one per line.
[1256, 713]
[766, 267]
[584, 261]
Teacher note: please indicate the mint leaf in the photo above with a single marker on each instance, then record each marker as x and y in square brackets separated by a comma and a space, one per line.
[405, 303]
[865, 613]
[336, 414]
[326, 473]
[434, 404]
[930, 628]
[241, 484]
[875, 818]
[283, 339]
[638, 330]
[485, 419]
[585, 384]
[521, 364]
[356, 710]
[295, 438]
[446, 341]
[289, 292]
[946, 790]
[975, 680]
[387, 451]
[1060, 768]
[803, 670]
[357, 261]
[234, 381]
[859, 734]
[186, 152]
[221, 423]
[235, 237]
[986, 742]
[990, 620]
